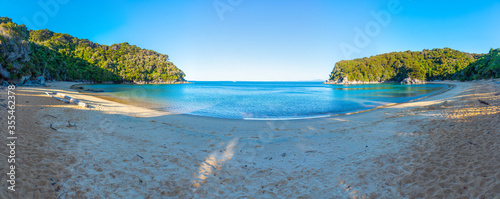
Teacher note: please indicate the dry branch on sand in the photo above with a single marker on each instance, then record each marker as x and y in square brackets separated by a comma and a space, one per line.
[483, 102]
[67, 99]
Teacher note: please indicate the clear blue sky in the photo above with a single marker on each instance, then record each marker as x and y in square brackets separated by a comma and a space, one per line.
[282, 40]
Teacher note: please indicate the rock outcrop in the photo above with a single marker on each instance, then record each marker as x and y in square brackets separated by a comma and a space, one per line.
[41, 80]
[14, 47]
[412, 81]
[345, 80]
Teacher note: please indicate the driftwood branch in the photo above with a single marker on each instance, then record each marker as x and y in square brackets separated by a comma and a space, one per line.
[61, 194]
[71, 125]
[67, 99]
[53, 128]
[483, 102]
[57, 98]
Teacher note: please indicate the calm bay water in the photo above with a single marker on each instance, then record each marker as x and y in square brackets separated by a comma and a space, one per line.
[260, 100]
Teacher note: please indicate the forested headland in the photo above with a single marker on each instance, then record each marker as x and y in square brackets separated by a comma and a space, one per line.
[26, 54]
[426, 65]
[29, 54]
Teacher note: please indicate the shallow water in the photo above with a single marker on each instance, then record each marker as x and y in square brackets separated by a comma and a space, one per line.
[259, 100]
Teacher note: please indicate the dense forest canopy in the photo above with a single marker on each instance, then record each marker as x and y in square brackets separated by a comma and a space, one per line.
[56, 56]
[485, 67]
[59, 56]
[435, 64]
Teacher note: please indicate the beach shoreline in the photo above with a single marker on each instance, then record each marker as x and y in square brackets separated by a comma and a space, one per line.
[79, 87]
[119, 150]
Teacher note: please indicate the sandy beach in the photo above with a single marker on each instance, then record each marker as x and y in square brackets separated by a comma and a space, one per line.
[444, 146]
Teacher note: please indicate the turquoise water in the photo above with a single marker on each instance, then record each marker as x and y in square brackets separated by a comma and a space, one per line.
[264, 100]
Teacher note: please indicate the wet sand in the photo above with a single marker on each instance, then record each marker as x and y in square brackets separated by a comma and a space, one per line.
[444, 146]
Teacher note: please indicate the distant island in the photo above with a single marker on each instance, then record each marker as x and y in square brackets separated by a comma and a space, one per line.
[413, 67]
[34, 55]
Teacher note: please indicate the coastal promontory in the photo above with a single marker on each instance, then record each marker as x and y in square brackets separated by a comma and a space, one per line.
[29, 55]
[415, 67]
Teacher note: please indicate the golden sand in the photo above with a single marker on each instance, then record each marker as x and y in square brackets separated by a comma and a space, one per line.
[445, 146]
